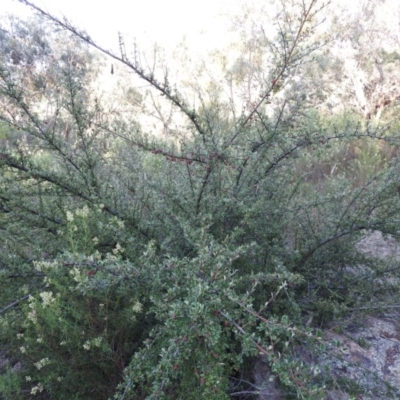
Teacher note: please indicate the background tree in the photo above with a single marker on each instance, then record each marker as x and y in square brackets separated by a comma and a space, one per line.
[353, 67]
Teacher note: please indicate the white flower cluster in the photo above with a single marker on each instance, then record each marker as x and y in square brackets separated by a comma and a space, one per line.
[37, 389]
[31, 301]
[47, 281]
[86, 346]
[32, 316]
[137, 307]
[120, 223]
[45, 265]
[70, 216]
[118, 249]
[83, 212]
[76, 274]
[42, 363]
[96, 342]
[80, 212]
[47, 298]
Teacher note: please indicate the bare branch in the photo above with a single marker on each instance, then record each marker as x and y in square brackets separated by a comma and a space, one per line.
[135, 66]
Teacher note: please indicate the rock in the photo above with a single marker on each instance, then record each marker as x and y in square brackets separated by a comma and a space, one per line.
[374, 244]
[336, 395]
[367, 364]
[370, 356]
[17, 367]
[264, 382]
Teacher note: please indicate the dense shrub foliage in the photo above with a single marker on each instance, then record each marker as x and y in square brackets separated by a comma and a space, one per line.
[159, 267]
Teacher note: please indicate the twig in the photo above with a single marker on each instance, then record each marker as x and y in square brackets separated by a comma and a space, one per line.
[13, 304]
[374, 307]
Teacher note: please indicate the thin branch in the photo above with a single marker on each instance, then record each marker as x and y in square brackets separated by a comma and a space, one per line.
[203, 187]
[287, 60]
[374, 307]
[164, 89]
[14, 303]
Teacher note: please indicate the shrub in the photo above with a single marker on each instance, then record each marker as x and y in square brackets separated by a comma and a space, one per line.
[157, 268]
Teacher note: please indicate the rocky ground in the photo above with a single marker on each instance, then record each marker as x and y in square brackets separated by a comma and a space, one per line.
[370, 348]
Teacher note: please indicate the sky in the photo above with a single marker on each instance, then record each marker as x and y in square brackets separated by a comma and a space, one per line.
[161, 21]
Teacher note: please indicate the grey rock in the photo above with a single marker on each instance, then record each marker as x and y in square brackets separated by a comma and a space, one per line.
[265, 382]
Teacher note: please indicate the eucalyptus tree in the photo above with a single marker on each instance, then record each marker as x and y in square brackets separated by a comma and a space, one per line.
[353, 65]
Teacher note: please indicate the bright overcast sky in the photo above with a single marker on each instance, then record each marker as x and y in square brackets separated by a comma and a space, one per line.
[164, 21]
